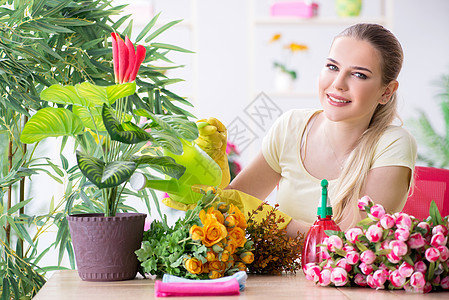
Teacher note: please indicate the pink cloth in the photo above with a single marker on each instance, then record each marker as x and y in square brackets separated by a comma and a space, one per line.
[180, 289]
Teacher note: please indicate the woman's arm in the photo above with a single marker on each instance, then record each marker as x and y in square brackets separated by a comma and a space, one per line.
[257, 179]
[387, 186]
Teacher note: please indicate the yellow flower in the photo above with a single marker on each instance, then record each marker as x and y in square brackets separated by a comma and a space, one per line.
[275, 37]
[211, 256]
[197, 233]
[230, 221]
[294, 47]
[241, 266]
[231, 246]
[215, 275]
[214, 231]
[225, 256]
[218, 266]
[193, 265]
[211, 212]
[247, 257]
[238, 215]
[238, 235]
[205, 268]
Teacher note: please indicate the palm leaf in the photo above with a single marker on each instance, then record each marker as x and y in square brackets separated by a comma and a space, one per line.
[164, 164]
[51, 122]
[105, 175]
[127, 132]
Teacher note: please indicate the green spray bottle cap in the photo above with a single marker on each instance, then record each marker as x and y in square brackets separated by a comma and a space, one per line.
[324, 210]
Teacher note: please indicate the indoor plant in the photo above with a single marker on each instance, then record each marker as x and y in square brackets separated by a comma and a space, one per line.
[104, 124]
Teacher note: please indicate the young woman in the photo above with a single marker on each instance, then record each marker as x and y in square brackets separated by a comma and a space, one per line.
[351, 141]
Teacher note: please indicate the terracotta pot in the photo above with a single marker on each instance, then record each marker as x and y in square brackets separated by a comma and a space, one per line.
[104, 246]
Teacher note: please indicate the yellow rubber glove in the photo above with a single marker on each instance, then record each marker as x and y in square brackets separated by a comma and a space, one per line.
[213, 140]
[246, 203]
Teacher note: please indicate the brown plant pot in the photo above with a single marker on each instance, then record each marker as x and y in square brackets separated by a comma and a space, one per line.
[104, 246]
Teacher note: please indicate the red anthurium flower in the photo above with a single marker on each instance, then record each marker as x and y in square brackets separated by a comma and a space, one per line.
[126, 59]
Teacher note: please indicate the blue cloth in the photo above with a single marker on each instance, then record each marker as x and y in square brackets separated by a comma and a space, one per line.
[240, 276]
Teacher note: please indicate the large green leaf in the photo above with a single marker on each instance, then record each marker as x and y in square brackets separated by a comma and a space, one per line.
[166, 141]
[118, 91]
[89, 116]
[51, 122]
[64, 95]
[164, 164]
[179, 126]
[105, 175]
[126, 132]
[93, 94]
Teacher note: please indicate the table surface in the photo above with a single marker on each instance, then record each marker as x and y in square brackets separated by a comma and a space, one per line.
[67, 285]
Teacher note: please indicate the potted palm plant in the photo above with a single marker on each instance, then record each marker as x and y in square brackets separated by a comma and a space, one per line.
[110, 135]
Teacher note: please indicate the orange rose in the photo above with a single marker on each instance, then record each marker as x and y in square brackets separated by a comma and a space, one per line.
[218, 266]
[211, 212]
[205, 268]
[225, 256]
[230, 221]
[241, 266]
[238, 235]
[215, 275]
[211, 256]
[231, 245]
[214, 231]
[247, 257]
[193, 265]
[238, 215]
[196, 232]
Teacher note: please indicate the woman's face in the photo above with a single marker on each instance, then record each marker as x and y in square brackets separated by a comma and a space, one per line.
[350, 84]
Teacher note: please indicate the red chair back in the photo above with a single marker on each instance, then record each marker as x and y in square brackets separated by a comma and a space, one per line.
[429, 184]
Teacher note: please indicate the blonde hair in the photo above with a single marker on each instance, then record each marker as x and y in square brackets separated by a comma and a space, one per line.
[354, 174]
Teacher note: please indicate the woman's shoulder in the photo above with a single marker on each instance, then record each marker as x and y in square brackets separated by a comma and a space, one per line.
[397, 135]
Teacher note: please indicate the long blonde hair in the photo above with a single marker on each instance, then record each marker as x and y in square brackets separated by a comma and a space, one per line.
[353, 177]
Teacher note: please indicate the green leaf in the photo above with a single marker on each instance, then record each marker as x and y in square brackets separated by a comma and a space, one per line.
[435, 214]
[105, 175]
[51, 122]
[147, 28]
[167, 141]
[91, 117]
[118, 91]
[361, 246]
[64, 95]
[340, 234]
[164, 164]
[18, 206]
[127, 132]
[91, 94]
[170, 47]
[161, 30]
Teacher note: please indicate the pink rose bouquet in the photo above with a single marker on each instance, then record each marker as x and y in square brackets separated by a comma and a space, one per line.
[387, 251]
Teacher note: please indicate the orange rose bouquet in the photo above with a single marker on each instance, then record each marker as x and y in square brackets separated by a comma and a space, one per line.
[209, 242]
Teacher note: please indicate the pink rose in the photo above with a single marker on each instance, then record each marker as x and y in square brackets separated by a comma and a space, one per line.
[420, 266]
[396, 279]
[334, 242]
[376, 212]
[339, 276]
[374, 233]
[398, 248]
[387, 221]
[343, 263]
[405, 269]
[444, 253]
[364, 201]
[353, 234]
[379, 278]
[403, 221]
[352, 257]
[348, 248]
[325, 277]
[360, 279]
[432, 254]
[402, 234]
[417, 280]
[438, 239]
[444, 283]
[416, 241]
[424, 225]
[313, 273]
[385, 244]
[366, 269]
[440, 229]
[368, 257]
[370, 281]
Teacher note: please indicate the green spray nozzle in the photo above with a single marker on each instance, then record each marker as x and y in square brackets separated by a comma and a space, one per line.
[324, 210]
